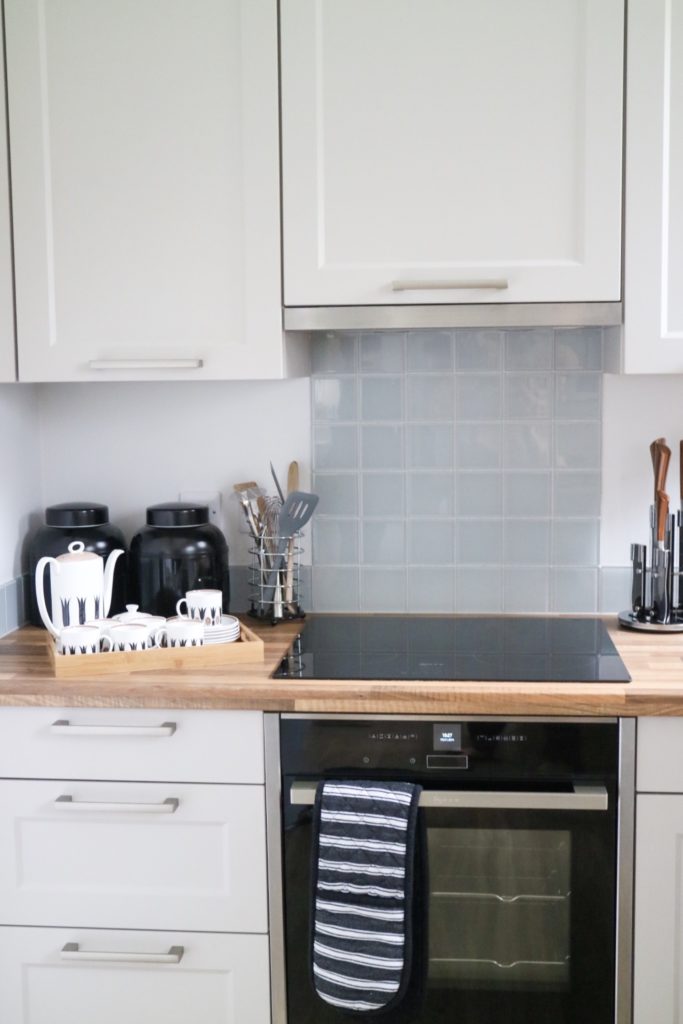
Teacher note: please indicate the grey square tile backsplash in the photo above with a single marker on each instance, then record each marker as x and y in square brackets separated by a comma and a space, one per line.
[458, 471]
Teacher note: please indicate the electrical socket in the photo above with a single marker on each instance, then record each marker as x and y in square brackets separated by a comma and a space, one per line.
[210, 498]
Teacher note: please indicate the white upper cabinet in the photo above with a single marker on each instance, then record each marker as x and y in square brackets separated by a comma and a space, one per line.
[653, 292]
[144, 148]
[451, 151]
[7, 362]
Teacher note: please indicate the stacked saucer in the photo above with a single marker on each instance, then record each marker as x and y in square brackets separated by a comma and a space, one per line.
[224, 632]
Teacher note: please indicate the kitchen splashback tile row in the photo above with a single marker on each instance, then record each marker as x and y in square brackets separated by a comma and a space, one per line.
[458, 470]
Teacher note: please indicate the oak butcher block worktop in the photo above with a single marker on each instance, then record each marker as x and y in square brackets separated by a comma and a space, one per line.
[655, 663]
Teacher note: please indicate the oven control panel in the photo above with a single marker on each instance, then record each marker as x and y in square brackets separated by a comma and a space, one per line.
[482, 748]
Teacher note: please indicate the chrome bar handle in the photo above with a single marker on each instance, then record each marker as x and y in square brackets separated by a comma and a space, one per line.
[582, 798]
[496, 284]
[63, 727]
[67, 803]
[72, 951]
[145, 364]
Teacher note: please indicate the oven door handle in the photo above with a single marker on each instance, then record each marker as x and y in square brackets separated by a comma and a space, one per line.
[581, 798]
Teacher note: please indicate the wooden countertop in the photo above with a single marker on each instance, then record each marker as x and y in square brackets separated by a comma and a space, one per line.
[655, 663]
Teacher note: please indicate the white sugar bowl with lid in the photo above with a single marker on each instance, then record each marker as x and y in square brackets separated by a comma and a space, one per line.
[80, 584]
[134, 617]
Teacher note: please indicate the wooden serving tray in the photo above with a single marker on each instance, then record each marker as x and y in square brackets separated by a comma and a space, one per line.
[248, 648]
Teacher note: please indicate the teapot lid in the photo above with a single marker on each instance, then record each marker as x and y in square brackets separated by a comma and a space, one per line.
[77, 553]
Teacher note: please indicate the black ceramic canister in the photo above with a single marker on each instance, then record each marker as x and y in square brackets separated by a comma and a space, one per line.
[178, 550]
[87, 521]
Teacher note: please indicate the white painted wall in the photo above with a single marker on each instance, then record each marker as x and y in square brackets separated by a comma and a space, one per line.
[20, 490]
[636, 410]
[133, 445]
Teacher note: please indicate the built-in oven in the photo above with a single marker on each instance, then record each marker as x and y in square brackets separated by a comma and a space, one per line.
[527, 894]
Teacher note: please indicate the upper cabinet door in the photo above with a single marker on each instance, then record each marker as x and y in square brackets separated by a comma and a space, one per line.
[144, 145]
[7, 360]
[451, 151]
[653, 296]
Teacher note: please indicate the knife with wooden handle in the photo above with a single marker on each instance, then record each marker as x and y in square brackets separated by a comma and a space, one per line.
[662, 506]
[654, 455]
[661, 603]
[660, 454]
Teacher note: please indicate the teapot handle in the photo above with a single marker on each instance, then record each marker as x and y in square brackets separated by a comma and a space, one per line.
[40, 593]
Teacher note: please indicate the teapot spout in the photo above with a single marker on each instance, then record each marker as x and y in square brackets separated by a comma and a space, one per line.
[109, 580]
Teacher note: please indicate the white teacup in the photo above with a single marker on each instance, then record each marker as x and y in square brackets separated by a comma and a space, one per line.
[205, 606]
[180, 632]
[81, 640]
[128, 636]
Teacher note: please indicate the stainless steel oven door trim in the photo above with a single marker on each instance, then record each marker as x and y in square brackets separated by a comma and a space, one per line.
[582, 798]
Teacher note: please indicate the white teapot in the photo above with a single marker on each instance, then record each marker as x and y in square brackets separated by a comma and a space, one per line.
[80, 584]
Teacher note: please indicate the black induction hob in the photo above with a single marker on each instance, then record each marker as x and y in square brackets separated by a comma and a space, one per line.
[426, 648]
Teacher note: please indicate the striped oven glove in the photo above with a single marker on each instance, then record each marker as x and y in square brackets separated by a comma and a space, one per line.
[363, 890]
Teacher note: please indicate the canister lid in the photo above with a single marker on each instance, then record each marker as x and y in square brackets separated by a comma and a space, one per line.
[177, 513]
[72, 514]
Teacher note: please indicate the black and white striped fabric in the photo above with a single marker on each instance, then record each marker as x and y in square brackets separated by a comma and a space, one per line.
[363, 886]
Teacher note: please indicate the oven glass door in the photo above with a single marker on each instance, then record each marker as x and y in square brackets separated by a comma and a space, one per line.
[517, 904]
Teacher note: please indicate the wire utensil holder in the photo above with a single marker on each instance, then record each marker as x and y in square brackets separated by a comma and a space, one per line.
[281, 602]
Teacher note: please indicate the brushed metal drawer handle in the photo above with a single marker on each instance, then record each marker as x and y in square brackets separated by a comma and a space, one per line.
[63, 727]
[67, 803]
[495, 284]
[145, 364]
[72, 951]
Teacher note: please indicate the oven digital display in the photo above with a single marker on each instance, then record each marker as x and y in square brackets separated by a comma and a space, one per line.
[447, 736]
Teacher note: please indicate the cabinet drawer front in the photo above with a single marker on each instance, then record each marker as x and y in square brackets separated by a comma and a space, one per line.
[219, 979]
[130, 855]
[659, 760]
[89, 743]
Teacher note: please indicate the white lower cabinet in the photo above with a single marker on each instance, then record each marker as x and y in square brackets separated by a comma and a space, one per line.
[658, 921]
[133, 883]
[75, 976]
[133, 855]
[658, 968]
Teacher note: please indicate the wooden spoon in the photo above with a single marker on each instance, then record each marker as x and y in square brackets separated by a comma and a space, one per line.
[293, 476]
